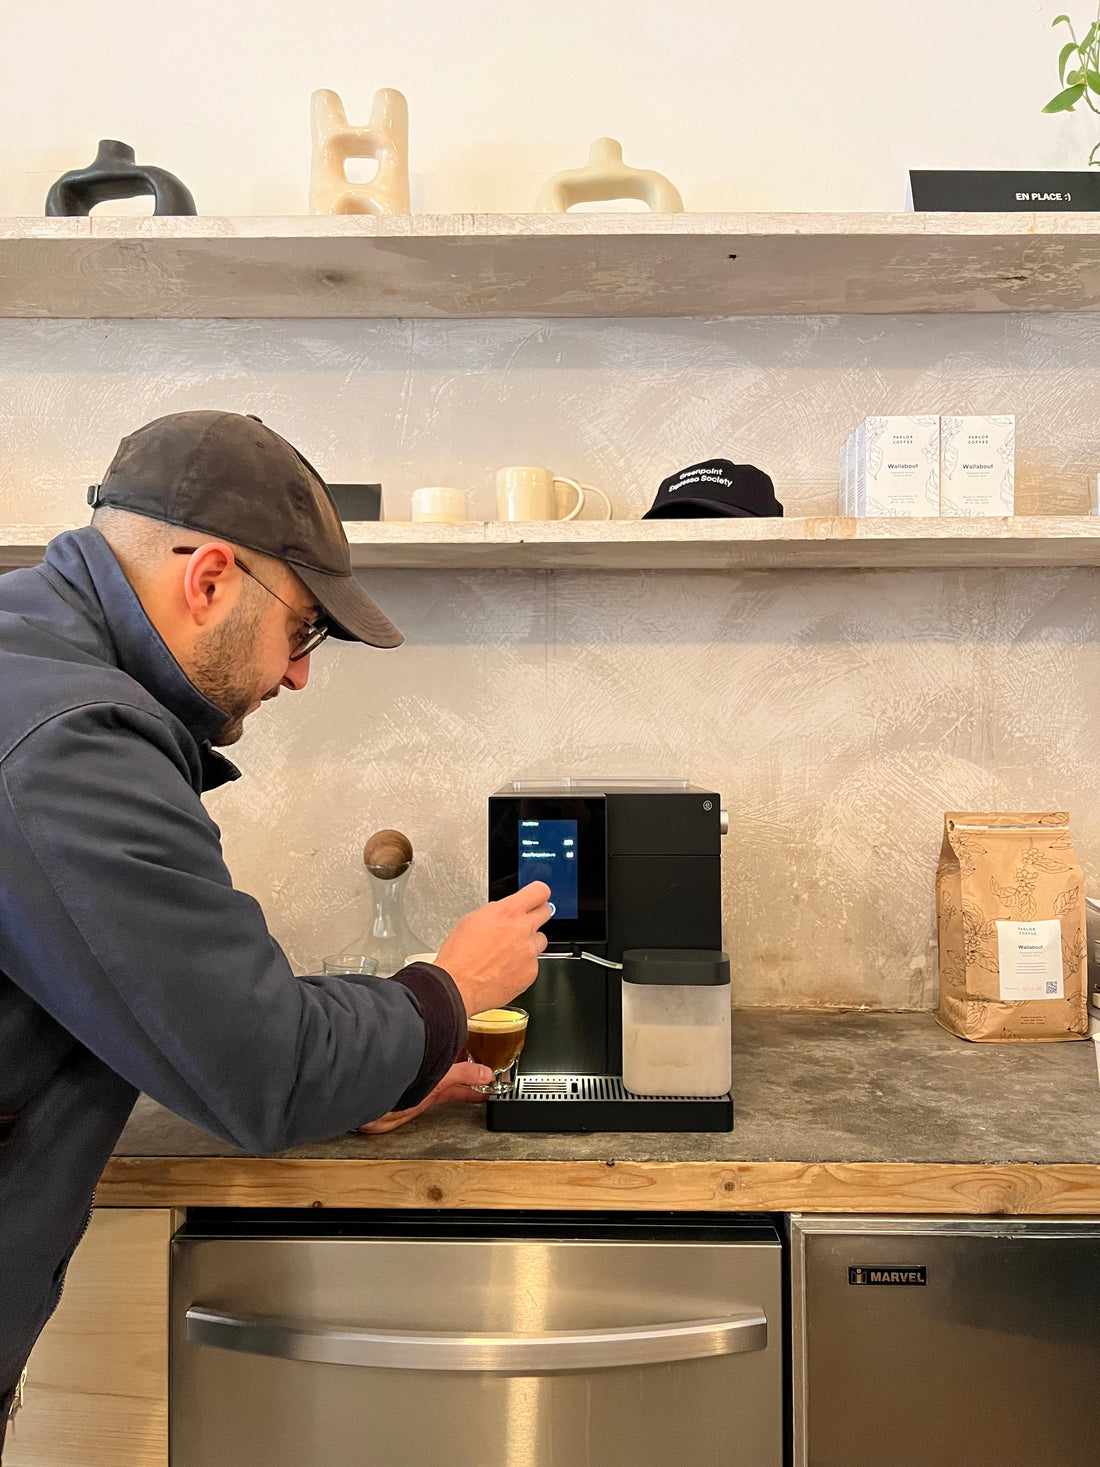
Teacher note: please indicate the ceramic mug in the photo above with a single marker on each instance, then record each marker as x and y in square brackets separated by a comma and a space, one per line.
[437, 506]
[525, 493]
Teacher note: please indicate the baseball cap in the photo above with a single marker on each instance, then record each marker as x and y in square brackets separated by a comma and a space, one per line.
[716, 487]
[229, 475]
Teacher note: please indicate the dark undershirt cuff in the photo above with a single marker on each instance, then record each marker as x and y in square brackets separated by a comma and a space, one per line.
[444, 1014]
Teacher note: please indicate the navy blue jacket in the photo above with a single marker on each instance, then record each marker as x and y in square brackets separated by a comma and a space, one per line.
[127, 960]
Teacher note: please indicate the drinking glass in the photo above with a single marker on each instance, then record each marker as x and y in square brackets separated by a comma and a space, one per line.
[494, 1039]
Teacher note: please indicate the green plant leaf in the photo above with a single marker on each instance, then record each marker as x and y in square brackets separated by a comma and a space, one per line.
[1093, 78]
[1066, 52]
[1058, 19]
[1076, 78]
[1065, 101]
[1087, 40]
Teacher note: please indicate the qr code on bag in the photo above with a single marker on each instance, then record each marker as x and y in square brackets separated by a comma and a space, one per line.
[1052, 986]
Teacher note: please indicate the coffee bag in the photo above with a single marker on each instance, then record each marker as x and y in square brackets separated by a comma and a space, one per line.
[1010, 909]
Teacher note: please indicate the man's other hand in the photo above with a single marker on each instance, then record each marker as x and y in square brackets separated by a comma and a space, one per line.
[455, 1085]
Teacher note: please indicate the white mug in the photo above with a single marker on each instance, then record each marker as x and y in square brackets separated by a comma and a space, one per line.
[437, 506]
[525, 493]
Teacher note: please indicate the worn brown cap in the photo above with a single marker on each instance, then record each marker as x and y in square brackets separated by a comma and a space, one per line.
[228, 475]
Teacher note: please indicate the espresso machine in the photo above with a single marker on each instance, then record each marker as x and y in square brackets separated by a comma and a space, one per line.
[635, 875]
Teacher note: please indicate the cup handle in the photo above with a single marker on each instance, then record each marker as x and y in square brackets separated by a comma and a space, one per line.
[575, 511]
[591, 489]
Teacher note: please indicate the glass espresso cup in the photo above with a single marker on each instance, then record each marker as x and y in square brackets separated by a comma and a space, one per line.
[495, 1039]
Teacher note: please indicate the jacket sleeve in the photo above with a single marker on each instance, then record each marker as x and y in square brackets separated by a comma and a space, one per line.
[123, 923]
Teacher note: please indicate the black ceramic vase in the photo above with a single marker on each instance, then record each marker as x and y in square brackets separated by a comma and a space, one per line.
[116, 175]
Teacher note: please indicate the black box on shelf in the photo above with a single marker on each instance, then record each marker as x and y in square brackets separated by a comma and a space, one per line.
[358, 501]
[1002, 191]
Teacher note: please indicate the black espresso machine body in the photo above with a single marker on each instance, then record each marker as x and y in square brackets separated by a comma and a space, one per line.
[629, 865]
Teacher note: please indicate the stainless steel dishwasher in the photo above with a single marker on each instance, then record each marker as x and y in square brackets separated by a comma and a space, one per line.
[340, 1339]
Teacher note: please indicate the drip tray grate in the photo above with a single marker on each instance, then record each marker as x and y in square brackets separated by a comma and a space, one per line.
[602, 1103]
[586, 1087]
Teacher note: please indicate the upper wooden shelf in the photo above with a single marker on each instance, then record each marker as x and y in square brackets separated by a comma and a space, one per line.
[712, 544]
[532, 265]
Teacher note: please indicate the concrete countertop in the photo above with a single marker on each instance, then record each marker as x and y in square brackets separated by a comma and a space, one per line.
[808, 1087]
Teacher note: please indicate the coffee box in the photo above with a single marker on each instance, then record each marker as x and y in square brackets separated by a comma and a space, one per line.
[891, 467]
[977, 465]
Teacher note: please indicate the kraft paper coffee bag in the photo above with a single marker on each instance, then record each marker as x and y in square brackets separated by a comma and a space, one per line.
[1010, 908]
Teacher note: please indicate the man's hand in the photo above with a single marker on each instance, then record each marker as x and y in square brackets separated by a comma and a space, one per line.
[492, 954]
[455, 1085]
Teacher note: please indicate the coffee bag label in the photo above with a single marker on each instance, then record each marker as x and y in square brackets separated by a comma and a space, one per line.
[1030, 960]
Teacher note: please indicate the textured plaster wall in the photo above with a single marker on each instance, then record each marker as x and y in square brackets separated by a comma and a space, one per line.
[744, 106]
[838, 713]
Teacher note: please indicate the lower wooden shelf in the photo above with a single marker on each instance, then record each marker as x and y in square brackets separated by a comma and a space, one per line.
[712, 544]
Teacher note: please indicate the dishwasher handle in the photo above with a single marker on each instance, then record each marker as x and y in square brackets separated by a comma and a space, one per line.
[509, 1354]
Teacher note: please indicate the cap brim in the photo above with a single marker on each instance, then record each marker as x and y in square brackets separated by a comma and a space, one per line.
[353, 616]
[671, 510]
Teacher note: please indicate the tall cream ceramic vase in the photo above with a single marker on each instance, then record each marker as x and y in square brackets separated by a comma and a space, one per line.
[385, 138]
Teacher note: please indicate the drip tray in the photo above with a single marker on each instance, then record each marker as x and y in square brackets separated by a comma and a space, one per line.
[602, 1103]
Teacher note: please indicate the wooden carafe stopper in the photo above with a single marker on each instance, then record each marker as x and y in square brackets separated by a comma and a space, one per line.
[388, 854]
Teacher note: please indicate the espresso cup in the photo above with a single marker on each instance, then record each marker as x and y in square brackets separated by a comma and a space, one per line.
[438, 506]
[526, 493]
[494, 1039]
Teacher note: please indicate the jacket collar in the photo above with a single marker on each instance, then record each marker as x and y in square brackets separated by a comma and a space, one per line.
[86, 564]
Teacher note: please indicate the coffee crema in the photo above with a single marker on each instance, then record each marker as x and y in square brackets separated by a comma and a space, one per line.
[493, 1021]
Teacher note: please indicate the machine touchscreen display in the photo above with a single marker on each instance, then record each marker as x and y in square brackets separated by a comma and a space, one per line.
[548, 852]
[559, 839]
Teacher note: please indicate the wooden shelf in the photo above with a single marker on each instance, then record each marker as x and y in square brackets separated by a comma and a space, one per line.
[734, 544]
[546, 265]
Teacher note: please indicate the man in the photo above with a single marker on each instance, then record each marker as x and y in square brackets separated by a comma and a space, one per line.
[214, 566]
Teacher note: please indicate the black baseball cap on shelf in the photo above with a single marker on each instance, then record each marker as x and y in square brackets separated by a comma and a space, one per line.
[717, 487]
[228, 475]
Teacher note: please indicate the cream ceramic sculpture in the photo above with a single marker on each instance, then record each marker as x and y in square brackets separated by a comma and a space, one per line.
[606, 176]
[386, 137]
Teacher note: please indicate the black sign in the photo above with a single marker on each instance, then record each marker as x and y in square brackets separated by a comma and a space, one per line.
[357, 501]
[897, 1274]
[1002, 191]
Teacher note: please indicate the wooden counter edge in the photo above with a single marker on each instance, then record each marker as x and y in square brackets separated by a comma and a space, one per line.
[734, 1186]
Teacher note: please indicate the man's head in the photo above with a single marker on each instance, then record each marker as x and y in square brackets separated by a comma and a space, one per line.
[236, 635]
[234, 546]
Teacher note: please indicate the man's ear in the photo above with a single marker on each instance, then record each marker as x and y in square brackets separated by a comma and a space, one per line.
[210, 583]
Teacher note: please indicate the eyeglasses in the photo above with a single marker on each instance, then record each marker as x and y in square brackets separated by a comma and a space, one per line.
[312, 634]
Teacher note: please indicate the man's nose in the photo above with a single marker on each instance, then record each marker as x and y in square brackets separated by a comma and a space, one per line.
[297, 674]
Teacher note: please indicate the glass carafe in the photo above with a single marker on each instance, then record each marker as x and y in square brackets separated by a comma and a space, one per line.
[389, 941]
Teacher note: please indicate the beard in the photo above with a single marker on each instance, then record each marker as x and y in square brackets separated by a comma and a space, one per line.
[225, 670]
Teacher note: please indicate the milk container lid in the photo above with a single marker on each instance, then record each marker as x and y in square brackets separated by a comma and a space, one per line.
[684, 967]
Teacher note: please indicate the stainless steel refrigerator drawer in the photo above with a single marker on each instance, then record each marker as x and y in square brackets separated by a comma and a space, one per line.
[945, 1342]
[401, 1352]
